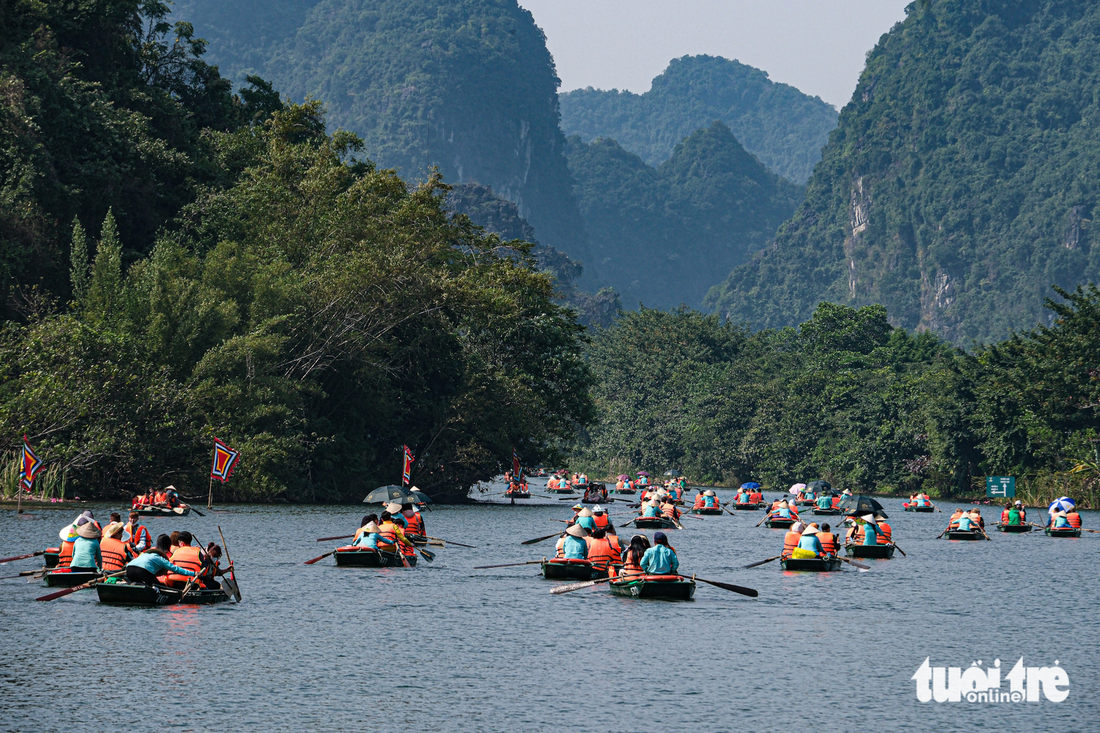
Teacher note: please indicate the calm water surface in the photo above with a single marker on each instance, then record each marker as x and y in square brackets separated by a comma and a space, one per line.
[447, 647]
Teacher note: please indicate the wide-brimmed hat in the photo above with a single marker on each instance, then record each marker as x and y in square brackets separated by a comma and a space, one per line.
[575, 530]
[869, 518]
[372, 527]
[577, 507]
[393, 507]
[810, 530]
[798, 527]
[708, 492]
[584, 513]
[88, 531]
[111, 529]
[597, 509]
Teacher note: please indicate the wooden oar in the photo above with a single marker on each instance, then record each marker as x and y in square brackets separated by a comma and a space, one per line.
[196, 511]
[540, 539]
[319, 558]
[753, 565]
[82, 586]
[941, 534]
[427, 555]
[853, 562]
[692, 516]
[22, 557]
[762, 520]
[23, 574]
[508, 565]
[232, 569]
[751, 593]
[895, 544]
[577, 586]
[341, 537]
[451, 542]
[982, 530]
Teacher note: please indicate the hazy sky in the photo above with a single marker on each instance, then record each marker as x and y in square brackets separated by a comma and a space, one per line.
[818, 46]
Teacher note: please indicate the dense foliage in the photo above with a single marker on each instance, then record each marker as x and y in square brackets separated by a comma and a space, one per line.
[780, 125]
[846, 397]
[664, 236]
[960, 183]
[246, 275]
[467, 86]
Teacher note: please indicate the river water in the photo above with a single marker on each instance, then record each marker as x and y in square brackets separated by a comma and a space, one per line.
[447, 647]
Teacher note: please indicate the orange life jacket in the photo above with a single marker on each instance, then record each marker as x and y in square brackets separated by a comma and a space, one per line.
[699, 502]
[1074, 520]
[415, 524]
[953, 523]
[828, 542]
[1004, 516]
[160, 498]
[114, 554]
[600, 551]
[65, 558]
[188, 558]
[790, 541]
[756, 497]
[887, 532]
[601, 521]
[616, 546]
[136, 535]
[669, 510]
[632, 564]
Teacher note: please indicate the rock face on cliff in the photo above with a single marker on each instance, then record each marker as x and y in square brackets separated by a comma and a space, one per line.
[466, 86]
[960, 183]
[780, 125]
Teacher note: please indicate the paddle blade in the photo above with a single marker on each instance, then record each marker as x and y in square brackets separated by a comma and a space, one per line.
[229, 587]
[196, 511]
[572, 587]
[331, 539]
[427, 555]
[540, 539]
[750, 592]
[318, 559]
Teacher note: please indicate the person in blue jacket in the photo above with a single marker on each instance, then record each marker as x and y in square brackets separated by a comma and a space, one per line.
[810, 541]
[574, 547]
[661, 558]
[370, 536]
[86, 553]
[145, 567]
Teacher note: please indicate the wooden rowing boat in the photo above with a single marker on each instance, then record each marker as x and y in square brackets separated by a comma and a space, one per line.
[563, 568]
[624, 491]
[921, 509]
[659, 587]
[1063, 532]
[51, 557]
[560, 491]
[964, 534]
[830, 512]
[654, 523]
[812, 564]
[1014, 528]
[780, 523]
[874, 552]
[804, 502]
[709, 511]
[518, 494]
[123, 593]
[64, 578]
[163, 511]
[365, 557]
[751, 507]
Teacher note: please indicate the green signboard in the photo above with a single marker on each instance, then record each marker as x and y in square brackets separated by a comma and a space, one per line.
[1002, 486]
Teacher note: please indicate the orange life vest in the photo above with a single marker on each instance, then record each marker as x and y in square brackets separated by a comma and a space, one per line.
[136, 535]
[188, 558]
[699, 502]
[1074, 520]
[756, 497]
[616, 546]
[601, 521]
[65, 558]
[632, 564]
[887, 532]
[828, 542]
[1004, 516]
[790, 541]
[415, 524]
[669, 510]
[114, 554]
[159, 498]
[600, 551]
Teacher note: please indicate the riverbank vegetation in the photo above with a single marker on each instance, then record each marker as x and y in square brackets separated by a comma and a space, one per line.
[849, 398]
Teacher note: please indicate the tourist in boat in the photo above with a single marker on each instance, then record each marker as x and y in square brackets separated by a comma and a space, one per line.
[146, 567]
[976, 517]
[574, 546]
[953, 521]
[1023, 510]
[1005, 512]
[1013, 519]
[1074, 518]
[68, 535]
[184, 556]
[809, 541]
[965, 522]
[137, 535]
[552, 483]
[699, 502]
[887, 532]
[600, 518]
[710, 500]
[871, 531]
[601, 552]
[392, 517]
[114, 551]
[784, 511]
[829, 542]
[1059, 520]
[211, 568]
[670, 510]
[585, 519]
[824, 502]
[756, 497]
[368, 519]
[632, 558]
[413, 519]
[791, 539]
[369, 536]
[661, 558]
[651, 508]
[87, 556]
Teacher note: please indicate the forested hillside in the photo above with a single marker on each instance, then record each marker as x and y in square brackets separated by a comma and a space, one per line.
[780, 125]
[467, 86]
[849, 398]
[961, 182]
[664, 236]
[184, 263]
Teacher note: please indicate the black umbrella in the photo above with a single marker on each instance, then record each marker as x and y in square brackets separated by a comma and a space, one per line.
[860, 505]
[820, 487]
[420, 495]
[384, 494]
[674, 473]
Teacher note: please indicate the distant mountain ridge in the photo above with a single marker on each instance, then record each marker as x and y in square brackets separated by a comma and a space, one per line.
[960, 184]
[777, 123]
[664, 236]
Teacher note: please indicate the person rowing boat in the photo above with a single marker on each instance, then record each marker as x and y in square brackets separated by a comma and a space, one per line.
[146, 567]
[393, 529]
[661, 558]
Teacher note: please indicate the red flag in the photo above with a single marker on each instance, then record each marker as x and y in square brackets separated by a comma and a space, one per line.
[32, 464]
[406, 473]
[225, 460]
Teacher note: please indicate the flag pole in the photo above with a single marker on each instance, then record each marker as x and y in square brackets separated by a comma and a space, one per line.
[210, 494]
